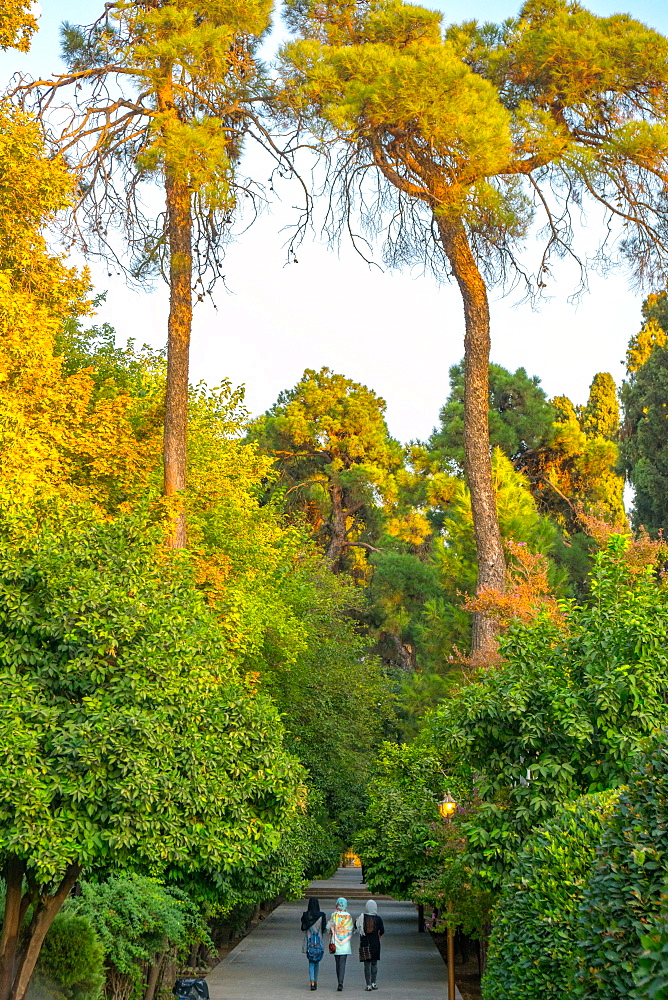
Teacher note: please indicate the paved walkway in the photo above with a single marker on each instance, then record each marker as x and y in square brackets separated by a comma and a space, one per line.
[269, 965]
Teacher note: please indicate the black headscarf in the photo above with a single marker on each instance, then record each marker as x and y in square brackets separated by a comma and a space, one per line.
[313, 914]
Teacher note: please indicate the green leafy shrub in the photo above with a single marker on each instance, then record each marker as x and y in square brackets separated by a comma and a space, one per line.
[624, 892]
[452, 893]
[397, 840]
[563, 714]
[71, 962]
[532, 948]
[136, 919]
[651, 975]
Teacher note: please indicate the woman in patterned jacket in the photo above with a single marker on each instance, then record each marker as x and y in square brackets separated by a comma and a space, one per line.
[340, 927]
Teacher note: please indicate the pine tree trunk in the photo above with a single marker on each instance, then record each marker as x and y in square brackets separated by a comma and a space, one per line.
[44, 916]
[478, 461]
[178, 347]
[180, 226]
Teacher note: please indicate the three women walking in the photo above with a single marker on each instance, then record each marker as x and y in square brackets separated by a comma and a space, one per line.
[341, 928]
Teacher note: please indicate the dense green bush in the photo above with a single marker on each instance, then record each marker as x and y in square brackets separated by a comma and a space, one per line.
[532, 948]
[71, 962]
[396, 842]
[564, 713]
[651, 975]
[136, 919]
[623, 895]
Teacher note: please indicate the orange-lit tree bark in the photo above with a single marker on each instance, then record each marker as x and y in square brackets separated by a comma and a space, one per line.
[163, 90]
[179, 220]
[489, 545]
[463, 136]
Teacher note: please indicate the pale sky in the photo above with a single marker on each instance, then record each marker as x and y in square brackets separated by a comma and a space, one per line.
[394, 332]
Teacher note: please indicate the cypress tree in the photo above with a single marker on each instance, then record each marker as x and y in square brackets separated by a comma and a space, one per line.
[601, 414]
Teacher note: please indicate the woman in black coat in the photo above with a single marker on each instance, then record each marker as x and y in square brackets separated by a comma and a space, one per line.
[371, 929]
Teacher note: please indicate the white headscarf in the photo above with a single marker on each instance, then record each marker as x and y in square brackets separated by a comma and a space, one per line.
[372, 909]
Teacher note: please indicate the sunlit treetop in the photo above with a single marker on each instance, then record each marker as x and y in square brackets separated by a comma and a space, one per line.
[651, 334]
[601, 414]
[18, 23]
[161, 87]
[485, 123]
[33, 188]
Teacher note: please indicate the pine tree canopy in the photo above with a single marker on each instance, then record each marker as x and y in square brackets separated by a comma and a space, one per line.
[520, 417]
[480, 122]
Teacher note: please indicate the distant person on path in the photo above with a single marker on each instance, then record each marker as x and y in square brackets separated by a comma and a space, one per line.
[341, 928]
[371, 930]
[314, 922]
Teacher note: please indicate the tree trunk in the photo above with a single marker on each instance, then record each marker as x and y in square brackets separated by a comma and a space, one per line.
[180, 225]
[478, 461]
[44, 915]
[154, 973]
[483, 943]
[178, 347]
[405, 656]
[337, 541]
[11, 925]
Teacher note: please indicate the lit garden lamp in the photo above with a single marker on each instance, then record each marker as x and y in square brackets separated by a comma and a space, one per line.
[447, 807]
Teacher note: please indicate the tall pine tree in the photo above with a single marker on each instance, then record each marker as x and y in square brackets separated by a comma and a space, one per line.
[166, 91]
[465, 134]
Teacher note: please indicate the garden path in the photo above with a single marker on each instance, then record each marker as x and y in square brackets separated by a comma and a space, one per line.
[269, 965]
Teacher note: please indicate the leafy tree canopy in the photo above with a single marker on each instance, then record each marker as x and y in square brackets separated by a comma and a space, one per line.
[17, 24]
[652, 333]
[576, 469]
[563, 713]
[106, 682]
[129, 733]
[336, 458]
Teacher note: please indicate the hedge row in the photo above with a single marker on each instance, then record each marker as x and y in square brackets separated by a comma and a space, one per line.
[584, 911]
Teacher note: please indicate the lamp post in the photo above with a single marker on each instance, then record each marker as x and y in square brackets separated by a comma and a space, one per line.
[447, 808]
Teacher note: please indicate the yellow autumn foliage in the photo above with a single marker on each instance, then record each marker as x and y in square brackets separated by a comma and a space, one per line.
[55, 437]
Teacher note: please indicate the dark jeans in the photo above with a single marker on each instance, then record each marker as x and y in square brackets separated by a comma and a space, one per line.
[370, 971]
[340, 968]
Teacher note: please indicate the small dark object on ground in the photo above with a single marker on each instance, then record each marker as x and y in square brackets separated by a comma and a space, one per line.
[191, 989]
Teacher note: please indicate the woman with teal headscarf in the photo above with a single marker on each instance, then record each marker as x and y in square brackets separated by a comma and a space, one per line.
[341, 927]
